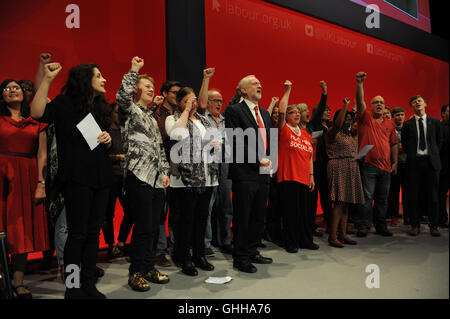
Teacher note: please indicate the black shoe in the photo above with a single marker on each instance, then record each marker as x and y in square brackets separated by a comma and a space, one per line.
[209, 252]
[361, 233]
[75, 293]
[99, 272]
[258, 259]
[92, 292]
[384, 232]
[245, 267]
[226, 249]
[189, 270]
[261, 245]
[26, 296]
[311, 247]
[203, 263]
[443, 225]
[292, 250]
[318, 233]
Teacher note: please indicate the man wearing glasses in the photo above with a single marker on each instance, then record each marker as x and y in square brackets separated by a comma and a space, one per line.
[218, 231]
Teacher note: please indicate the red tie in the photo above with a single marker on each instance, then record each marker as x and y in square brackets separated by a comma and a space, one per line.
[261, 129]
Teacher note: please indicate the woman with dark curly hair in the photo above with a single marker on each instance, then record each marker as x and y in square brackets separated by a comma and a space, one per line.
[344, 180]
[86, 175]
[23, 157]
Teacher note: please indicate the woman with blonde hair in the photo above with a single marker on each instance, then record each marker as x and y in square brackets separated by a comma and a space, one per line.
[295, 174]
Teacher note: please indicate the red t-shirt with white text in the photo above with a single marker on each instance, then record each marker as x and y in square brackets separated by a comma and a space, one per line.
[294, 156]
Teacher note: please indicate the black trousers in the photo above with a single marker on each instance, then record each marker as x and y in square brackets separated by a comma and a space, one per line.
[423, 184]
[249, 206]
[85, 213]
[295, 206]
[321, 182]
[144, 203]
[108, 226]
[191, 224]
[274, 219]
[398, 181]
[443, 190]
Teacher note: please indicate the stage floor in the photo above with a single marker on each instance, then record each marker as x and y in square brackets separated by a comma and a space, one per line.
[410, 267]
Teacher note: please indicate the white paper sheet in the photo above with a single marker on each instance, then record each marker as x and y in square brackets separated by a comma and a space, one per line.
[364, 151]
[218, 280]
[90, 130]
[317, 134]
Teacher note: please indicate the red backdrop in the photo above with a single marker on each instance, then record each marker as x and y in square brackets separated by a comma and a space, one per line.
[254, 37]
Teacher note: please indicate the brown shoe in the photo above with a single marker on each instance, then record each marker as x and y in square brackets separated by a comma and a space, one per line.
[162, 261]
[394, 221]
[347, 240]
[414, 231]
[435, 232]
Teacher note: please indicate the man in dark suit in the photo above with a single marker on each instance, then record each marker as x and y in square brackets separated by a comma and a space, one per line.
[250, 183]
[421, 139]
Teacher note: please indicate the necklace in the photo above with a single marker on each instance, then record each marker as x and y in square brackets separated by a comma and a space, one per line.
[296, 130]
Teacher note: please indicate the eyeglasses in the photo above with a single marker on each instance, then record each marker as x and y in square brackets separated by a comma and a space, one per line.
[216, 100]
[9, 88]
[28, 89]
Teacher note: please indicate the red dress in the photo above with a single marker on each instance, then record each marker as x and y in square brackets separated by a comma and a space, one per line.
[25, 223]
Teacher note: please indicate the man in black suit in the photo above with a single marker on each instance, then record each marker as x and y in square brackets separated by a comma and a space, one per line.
[250, 182]
[421, 139]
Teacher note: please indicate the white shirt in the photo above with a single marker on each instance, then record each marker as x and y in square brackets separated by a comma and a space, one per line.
[251, 106]
[419, 151]
[181, 133]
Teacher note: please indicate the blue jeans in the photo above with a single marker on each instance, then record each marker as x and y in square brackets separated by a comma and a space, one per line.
[61, 232]
[222, 207]
[161, 245]
[376, 183]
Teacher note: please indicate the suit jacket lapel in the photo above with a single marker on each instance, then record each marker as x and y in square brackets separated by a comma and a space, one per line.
[429, 131]
[415, 133]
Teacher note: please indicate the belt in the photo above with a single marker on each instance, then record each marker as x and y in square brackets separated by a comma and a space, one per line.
[18, 154]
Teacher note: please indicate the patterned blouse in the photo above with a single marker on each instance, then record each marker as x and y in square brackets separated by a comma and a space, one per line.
[142, 142]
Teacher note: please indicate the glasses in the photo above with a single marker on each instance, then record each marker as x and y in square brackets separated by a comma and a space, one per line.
[11, 88]
[216, 100]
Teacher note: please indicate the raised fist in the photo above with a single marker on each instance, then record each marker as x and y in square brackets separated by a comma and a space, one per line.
[158, 100]
[275, 99]
[45, 58]
[137, 63]
[322, 84]
[52, 70]
[360, 77]
[208, 73]
[287, 84]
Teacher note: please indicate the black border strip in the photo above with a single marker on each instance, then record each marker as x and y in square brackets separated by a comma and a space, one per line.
[185, 41]
[353, 16]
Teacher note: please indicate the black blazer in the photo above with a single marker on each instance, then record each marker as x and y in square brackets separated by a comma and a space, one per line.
[239, 116]
[410, 139]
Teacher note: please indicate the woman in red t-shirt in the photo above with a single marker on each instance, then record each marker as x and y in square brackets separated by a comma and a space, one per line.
[295, 174]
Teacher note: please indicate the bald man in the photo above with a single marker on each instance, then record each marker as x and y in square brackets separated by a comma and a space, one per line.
[377, 166]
